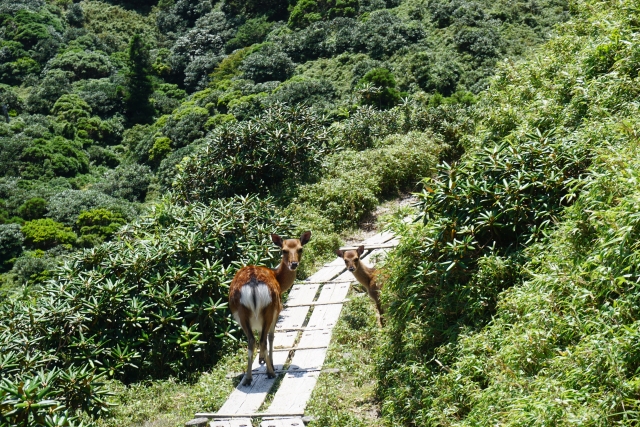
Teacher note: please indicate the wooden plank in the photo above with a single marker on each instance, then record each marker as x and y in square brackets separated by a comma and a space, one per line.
[323, 282]
[284, 339]
[313, 358]
[236, 422]
[292, 317]
[308, 360]
[390, 244]
[300, 294]
[314, 303]
[283, 422]
[328, 273]
[333, 293]
[325, 315]
[296, 348]
[379, 238]
[294, 392]
[315, 338]
[220, 416]
[247, 399]
[279, 359]
[321, 328]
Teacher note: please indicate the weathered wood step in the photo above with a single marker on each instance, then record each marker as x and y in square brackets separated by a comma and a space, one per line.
[283, 422]
[294, 393]
[238, 422]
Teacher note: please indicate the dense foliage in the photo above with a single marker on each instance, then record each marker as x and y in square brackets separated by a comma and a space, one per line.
[514, 300]
[274, 152]
[96, 92]
[150, 303]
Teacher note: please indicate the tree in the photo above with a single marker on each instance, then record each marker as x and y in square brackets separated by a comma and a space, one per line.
[33, 208]
[378, 87]
[268, 64]
[139, 87]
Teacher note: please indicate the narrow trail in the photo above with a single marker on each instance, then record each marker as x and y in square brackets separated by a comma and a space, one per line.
[302, 337]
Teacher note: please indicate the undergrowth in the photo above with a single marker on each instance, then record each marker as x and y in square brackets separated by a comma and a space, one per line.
[514, 300]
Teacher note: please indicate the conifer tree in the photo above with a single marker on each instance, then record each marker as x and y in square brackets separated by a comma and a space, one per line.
[139, 86]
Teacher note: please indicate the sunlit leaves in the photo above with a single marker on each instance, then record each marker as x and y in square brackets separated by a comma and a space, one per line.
[150, 303]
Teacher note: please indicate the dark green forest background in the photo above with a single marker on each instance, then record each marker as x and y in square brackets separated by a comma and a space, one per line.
[150, 148]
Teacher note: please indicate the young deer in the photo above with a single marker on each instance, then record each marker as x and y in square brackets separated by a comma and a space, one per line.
[254, 298]
[364, 274]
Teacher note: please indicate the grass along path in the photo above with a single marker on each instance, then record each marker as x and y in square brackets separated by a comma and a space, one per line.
[346, 397]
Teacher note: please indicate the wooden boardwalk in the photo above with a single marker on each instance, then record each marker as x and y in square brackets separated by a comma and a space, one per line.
[302, 337]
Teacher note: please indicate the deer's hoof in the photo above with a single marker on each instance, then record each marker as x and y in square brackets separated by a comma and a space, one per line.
[247, 381]
[271, 375]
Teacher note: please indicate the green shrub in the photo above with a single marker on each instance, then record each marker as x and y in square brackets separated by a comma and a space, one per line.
[167, 97]
[366, 125]
[382, 88]
[83, 64]
[127, 181]
[304, 14]
[46, 233]
[103, 156]
[271, 153]
[65, 206]
[268, 63]
[53, 85]
[33, 208]
[355, 182]
[151, 302]
[54, 157]
[545, 344]
[253, 31]
[104, 96]
[11, 240]
[98, 225]
[75, 15]
[70, 108]
[34, 267]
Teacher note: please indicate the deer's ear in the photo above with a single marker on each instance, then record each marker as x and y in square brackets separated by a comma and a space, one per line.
[339, 253]
[304, 239]
[277, 240]
[360, 250]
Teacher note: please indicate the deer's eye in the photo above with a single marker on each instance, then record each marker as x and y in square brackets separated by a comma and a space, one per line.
[284, 252]
[300, 250]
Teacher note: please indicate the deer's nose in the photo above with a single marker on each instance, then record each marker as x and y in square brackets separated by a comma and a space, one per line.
[352, 268]
[294, 265]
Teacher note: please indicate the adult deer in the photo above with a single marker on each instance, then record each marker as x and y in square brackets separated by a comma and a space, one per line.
[254, 298]
[365, 275]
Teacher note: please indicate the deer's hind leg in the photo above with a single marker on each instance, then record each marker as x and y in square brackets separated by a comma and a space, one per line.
[267, 326]
[251, 341]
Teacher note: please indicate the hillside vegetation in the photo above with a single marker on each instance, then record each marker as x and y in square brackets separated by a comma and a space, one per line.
[106, 98]
[152, 147]
[514, 301]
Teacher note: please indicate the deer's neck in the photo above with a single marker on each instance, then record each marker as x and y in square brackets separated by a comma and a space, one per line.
[284, 276]
[364, 274]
